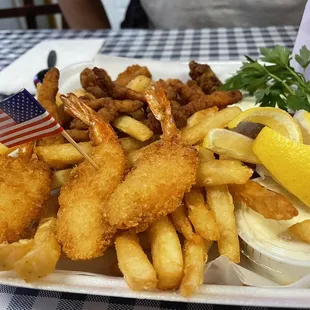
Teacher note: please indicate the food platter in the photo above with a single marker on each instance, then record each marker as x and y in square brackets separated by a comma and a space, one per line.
[69, 77]
[65, 279]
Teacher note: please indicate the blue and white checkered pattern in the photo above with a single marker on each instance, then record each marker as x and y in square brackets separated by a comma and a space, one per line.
[202, 44]
[199, 44]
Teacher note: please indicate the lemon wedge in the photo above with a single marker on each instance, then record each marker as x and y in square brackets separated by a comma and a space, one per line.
[288, 161]
[10, 253]
[231, 144]
[42, 258]
[274, 118]
[303, 119]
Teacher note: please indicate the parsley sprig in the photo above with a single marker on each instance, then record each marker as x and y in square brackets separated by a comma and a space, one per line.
[275, 82]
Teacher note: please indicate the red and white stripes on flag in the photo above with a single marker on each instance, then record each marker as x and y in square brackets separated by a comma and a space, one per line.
[12, 134]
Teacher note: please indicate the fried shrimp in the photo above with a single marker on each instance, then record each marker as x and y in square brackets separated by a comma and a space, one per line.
[25, 183]
[159, 178]
[81, 228]
[47, 92]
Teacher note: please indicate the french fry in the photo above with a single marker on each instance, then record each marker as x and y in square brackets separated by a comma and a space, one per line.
[200, 116]
[218, 172]
[166, 254]
[60, 177]
[221, 203]
[133, 262]
[200, 216]
[132, 157]
[82, 92]
[204, 154]
[223, 157]
[195, 256]
[196, 133]
[301, 230]
[10, 253]
[59, 156]
[131, 144]
[78, 135]
[133, 128]
[181, 222]
[139, 83]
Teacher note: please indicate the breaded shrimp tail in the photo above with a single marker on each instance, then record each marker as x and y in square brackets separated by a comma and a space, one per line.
[81, 227]
[77, 108]
[161, 108]
[160, 177]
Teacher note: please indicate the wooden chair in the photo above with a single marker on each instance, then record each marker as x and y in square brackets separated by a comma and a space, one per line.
[29, 10]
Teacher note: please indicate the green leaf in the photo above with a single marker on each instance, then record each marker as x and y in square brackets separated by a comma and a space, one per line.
[271, 97]
[275, 83]
[299, 101]
[295, 103]
[260, 94]
[250, 77]
[278, 55]
[304, 57]
[282, 104]
[248, 58]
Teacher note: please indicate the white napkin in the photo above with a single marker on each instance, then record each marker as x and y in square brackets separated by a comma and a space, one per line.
[20, 73]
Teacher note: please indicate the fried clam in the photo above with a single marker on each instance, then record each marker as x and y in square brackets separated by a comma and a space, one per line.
[130, 73]
[113, 90]
[89, 83]
[203, 75]
[269, 204]
[195, 102]
[110, 110]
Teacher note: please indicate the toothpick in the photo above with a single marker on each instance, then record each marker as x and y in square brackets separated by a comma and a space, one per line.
[66, 135]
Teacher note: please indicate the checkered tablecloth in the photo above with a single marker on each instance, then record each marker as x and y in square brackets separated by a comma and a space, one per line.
[204, 44]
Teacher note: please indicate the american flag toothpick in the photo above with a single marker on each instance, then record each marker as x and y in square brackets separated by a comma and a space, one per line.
[23, 119]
